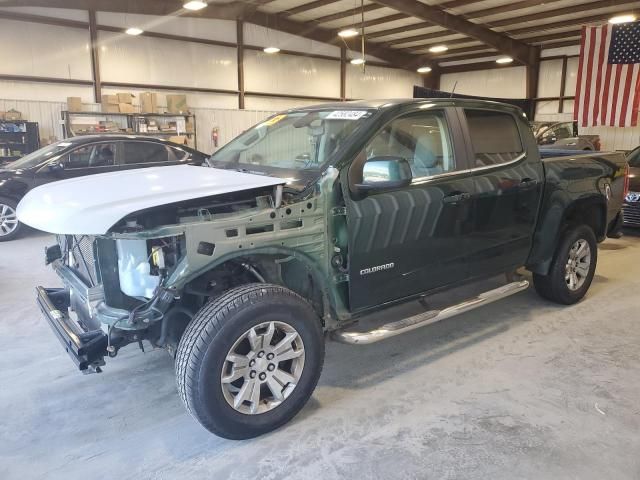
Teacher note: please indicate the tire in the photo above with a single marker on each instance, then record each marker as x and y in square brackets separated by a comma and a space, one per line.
[555, 286]
[10, 228]
[220, 331]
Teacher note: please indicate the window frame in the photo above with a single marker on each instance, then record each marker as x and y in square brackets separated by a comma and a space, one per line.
[471, 154]
[116, 161]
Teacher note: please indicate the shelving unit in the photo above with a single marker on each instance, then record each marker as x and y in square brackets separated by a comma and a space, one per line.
[17, 138]
[161, 125]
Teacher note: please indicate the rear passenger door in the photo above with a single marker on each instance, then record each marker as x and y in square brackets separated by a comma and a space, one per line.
[508, 190]
[409, 240]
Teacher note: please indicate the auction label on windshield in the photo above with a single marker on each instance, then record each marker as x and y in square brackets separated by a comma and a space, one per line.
[273, 120]
[346, 114]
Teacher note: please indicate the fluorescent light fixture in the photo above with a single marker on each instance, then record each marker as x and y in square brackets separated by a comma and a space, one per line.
[194, 5]
[357, 61]
[424, 69]
[504, 60]
[622, 19]
[438, 49]
[348, 32]
[133, 31]
[271, 49]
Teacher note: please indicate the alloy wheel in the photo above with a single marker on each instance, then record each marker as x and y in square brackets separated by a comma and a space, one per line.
[578, 265]
[262, 368]
[8, 220]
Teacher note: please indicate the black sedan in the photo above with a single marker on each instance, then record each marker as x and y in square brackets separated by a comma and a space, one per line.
[631, 208]
[79, 156]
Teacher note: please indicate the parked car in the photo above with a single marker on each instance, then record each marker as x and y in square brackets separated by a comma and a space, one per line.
[564, 136]
[310, 221]
[631, 207]
[80, 156]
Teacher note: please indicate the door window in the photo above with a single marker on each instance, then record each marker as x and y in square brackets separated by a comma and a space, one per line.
[422, 139]
[144, 152]
[94, 155]
[494, 136]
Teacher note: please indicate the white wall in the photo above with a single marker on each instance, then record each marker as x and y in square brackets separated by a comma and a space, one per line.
[509, 82]
[39, 50]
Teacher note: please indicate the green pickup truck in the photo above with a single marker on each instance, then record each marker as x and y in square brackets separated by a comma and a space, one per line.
[305, 224]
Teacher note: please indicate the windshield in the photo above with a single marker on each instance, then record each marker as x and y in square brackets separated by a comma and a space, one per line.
[39, 156]
[301, 141]
[634, 158]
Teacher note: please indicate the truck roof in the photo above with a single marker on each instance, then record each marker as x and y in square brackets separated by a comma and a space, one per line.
[400, 102]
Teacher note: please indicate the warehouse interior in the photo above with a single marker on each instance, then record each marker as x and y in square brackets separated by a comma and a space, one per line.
[521, 388]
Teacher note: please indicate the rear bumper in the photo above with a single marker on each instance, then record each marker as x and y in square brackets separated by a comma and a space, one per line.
[87, 348]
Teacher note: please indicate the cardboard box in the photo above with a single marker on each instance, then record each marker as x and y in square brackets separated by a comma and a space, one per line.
[148, 102]
[126, 108]
[111, 108]
[110, 104]
[125, 97]
[179, 139]
[177, 104]
[2, 114]
[74, 104]
[13, 115]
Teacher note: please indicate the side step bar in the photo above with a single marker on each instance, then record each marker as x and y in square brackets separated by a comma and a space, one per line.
[427, 318]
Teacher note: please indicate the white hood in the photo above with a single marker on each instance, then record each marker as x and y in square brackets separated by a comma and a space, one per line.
[91, 205]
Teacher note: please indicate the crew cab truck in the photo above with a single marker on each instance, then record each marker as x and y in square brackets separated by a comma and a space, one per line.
[303, 225]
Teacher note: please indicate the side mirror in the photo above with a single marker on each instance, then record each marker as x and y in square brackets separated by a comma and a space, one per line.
[385, 173]
[56, 166]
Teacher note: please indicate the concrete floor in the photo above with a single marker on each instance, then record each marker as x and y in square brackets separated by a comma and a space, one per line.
[519, 389]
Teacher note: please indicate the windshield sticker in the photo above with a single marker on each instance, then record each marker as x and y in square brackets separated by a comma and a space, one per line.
[273, 121]
[346, 114]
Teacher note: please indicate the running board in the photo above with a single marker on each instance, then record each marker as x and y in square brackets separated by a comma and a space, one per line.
[427, 318]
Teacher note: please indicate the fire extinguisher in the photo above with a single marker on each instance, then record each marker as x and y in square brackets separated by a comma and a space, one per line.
[215, 136]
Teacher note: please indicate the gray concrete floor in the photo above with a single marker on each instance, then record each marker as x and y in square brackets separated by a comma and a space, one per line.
[519, 389]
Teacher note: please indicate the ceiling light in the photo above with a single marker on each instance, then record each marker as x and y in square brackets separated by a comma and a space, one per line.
[622, 19]
[194, 5]
[133, 31]
[357, 61]
[348, 32]
[439, 49]
[504, 60]
[424, 69]
[271, 49]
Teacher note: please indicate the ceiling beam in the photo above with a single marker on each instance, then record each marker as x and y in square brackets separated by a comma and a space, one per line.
[353, 12]
[499, 41]
[308, 6]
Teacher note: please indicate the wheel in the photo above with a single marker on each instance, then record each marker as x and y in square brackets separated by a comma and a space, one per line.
[249, 360]
[9, 225]
[573, 267]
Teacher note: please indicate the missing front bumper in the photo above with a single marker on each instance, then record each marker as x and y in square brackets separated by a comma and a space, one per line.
[87, 348]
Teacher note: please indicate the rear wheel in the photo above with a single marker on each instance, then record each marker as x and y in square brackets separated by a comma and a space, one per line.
[249, 360]
[572, 269]
[9, 225]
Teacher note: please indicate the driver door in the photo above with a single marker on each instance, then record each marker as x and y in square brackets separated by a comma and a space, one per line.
[408, 240]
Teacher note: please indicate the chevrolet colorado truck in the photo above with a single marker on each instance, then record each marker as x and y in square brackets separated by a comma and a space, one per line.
[306, 224]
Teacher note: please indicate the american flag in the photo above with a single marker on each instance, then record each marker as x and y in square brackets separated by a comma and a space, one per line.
[608, 84]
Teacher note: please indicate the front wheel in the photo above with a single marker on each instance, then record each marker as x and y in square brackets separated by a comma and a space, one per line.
[249, 360]
[9, 225]
[573, 267]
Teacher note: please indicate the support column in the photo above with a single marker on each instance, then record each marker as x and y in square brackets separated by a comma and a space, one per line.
[95, 59]
[240, 42]
[533, 72]
[343, 73]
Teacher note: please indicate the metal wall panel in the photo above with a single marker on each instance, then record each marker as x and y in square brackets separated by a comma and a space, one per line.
[572, 76]
[154, 61]
[266, 37]
[499, 82]
[380, 82]
[549, 78]
[211, 29]
[47, 114]
[66, 13]
[34, 49]
[275, 103]
[289, 74]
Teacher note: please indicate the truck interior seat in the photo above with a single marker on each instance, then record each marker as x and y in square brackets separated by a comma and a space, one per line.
[425, 160]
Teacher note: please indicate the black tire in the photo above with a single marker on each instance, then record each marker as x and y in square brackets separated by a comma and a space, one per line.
[16, 231]
[211, 334]
[553, 286]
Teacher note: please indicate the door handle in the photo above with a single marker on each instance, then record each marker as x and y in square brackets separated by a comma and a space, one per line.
[528, 183]
[456, 197]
